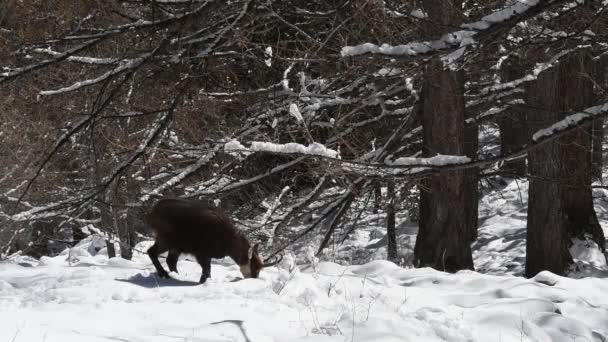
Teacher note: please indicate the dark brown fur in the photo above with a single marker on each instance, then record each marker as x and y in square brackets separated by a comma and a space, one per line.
[194, 227]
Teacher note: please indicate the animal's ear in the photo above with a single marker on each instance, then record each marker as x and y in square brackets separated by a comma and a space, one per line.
[250, 252]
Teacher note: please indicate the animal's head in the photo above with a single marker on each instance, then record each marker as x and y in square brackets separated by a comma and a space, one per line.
[254, 263]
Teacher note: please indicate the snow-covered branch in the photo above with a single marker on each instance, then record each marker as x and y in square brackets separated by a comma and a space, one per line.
[314, 149]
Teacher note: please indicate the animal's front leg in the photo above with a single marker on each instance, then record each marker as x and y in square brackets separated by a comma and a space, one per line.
[205, 263]
[172, 259]
[154, 252]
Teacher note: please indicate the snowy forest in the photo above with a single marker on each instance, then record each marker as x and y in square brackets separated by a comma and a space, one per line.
[404, 170]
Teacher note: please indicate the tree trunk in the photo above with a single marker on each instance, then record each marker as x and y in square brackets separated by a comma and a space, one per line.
[110, 248]
[391, 234]
[377, 197]
[446, 211]
[443, 238]
[597, 158]
[471, 134]
[560, 204]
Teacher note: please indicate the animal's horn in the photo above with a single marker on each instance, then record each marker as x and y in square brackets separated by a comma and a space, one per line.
[272, 263]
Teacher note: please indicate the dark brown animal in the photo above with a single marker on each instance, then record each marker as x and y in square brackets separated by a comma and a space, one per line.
[195, 227]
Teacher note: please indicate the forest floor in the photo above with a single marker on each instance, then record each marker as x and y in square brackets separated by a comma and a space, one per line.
[81, 295]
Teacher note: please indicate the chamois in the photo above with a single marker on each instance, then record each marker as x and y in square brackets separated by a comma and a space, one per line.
[195, 227]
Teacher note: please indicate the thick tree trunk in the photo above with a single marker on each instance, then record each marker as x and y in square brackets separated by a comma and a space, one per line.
[447, 214]
[443, 238]
[597, 157]
[391, 234]
[560, 204]
[601, 91]
[471, 134]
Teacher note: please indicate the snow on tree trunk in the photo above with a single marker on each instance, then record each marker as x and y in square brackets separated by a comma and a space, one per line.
[444, 235]
[560, 204]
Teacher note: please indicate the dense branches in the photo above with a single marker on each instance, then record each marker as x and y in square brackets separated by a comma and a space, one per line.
[201, 99]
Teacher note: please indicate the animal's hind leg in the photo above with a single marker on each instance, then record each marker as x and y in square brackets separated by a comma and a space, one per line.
[172, 260]
[153, 253]
[205, 263]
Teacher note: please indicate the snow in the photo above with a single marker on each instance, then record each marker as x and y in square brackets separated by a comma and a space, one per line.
[234, 145]
[418, 13]
[450, 59]
[438, 160]
[268, 59]
[295, 112]
[385, 49]
[571, 121]
[459, 39]
[125, 65]
[519, 7]
[101, 299]
[288, 148]
[80, 59]
[312, 149]
[81, 294]
[454, 39]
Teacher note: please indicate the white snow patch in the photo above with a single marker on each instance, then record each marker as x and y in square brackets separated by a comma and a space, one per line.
[268, 59]
[111, 300]
[438, 160]
[519, 6]
[313, 149]
[295, 112]
[418, 13]
[234, 145]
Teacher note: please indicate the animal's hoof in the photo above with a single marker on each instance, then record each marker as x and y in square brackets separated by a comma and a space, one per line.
[163, 275]
[203, 280]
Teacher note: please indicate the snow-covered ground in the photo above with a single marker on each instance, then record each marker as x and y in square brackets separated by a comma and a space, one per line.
[97, 299]
[80, 295]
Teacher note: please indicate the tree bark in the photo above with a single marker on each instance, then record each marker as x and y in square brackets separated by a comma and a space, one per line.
[560, 205]
[111, 249]
[446, 209]
[377, 197]
[391, 234]
[597, 158]
[601, 90]
[443, 237]
[471, 134]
